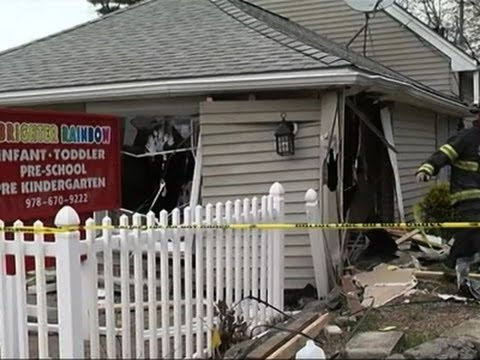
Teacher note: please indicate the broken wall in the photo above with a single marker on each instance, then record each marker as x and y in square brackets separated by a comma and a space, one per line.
[168, 126]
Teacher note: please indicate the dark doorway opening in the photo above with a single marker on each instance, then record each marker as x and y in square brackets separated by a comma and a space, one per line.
[369, 183]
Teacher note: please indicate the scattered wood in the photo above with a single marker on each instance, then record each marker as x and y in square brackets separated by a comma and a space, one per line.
[290, 348]
[421, 240]
[351, 292]
[268, 347]
[407, 236]
[422, 274]
[415, 236]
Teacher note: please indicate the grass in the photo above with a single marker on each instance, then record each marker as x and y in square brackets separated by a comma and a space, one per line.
[370, 322]
[414, 339]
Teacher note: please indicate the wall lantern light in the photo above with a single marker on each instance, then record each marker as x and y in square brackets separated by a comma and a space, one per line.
[285, 137]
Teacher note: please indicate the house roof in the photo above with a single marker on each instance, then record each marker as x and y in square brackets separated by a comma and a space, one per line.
[172, 39]
[165, 47]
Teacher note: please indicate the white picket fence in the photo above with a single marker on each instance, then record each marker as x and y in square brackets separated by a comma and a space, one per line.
[158, 286]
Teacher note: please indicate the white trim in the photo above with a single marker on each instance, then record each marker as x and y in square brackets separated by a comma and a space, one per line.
[386, 118]
[460, 60]
[195, 86]
[476, 87]
[313, 79]
[197, 175]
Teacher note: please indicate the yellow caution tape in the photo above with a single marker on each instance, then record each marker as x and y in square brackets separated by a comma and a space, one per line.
[286, 226]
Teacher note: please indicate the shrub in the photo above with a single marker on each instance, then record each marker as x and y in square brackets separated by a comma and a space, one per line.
[436, 206]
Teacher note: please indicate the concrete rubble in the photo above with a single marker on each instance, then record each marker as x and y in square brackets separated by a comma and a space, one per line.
[443, 348]
[373, 344]
[384, 284]
[469, 329]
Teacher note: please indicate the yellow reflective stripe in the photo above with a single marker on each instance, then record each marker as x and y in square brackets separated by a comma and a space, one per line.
[449, 151]
[465, 195]
[426, 168]
[466, 165]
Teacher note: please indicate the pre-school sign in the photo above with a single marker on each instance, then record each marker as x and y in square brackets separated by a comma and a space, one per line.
[50, 159]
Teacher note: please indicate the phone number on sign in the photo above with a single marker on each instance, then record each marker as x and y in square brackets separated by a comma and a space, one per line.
[36, 202]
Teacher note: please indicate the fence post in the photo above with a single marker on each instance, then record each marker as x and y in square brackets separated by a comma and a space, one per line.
[277, 192]
[317, 244]
[69, 289]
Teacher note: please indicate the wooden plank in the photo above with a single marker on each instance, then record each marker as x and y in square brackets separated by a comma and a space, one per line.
[351, 292]
[281, 337]
[407, 236]
[290, 348]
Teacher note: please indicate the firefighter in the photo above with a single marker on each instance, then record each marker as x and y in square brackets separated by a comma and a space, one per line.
[462, 153]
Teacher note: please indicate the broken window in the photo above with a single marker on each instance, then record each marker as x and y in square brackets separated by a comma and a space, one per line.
[158, 162]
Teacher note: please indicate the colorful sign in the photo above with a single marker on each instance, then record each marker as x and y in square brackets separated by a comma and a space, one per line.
[50, 159]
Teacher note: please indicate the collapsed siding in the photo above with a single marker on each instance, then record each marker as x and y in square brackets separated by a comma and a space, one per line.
[239, 161]
[389, 42]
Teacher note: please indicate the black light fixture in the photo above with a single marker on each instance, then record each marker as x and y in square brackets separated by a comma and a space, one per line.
[285, 137]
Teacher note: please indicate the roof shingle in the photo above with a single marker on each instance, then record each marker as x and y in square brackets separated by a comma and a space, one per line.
[167, 39]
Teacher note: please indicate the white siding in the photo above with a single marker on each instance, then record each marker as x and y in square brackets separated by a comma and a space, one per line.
[415, 139]
[240, 161]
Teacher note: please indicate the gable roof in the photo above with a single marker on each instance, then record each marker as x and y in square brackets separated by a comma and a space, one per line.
[191, 47]
[167, 39]
[461, 60]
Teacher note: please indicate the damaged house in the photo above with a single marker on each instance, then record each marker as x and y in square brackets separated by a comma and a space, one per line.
[203, 86]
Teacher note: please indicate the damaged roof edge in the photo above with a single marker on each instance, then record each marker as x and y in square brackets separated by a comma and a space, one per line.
[266, 81]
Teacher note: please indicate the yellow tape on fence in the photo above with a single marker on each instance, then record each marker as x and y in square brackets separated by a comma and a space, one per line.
[287, 226]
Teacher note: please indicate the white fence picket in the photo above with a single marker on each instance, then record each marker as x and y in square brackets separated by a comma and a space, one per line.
[174, 274]
[246, 256]
[177, 307]
[40, 283]
[229, 254]
[270, 258]
[209, 242]
[199, 283]
[138, 288]
[263, 262]
[152, 288]
[219, 245]
[255, 275]
[5, 329]
[108, 276]
[238, 252]
[187, 219]
[164, 280]
[91, 272]
[125, 288]
[21, 295]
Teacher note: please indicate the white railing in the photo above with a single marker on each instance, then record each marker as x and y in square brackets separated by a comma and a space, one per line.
[158, 286]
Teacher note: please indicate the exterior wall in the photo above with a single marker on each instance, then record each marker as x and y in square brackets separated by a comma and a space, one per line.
[466, 87]
[239, 160]
[415, 135]
[389, 42]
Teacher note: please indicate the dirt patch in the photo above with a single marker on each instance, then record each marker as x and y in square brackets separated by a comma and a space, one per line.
[422, 316]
